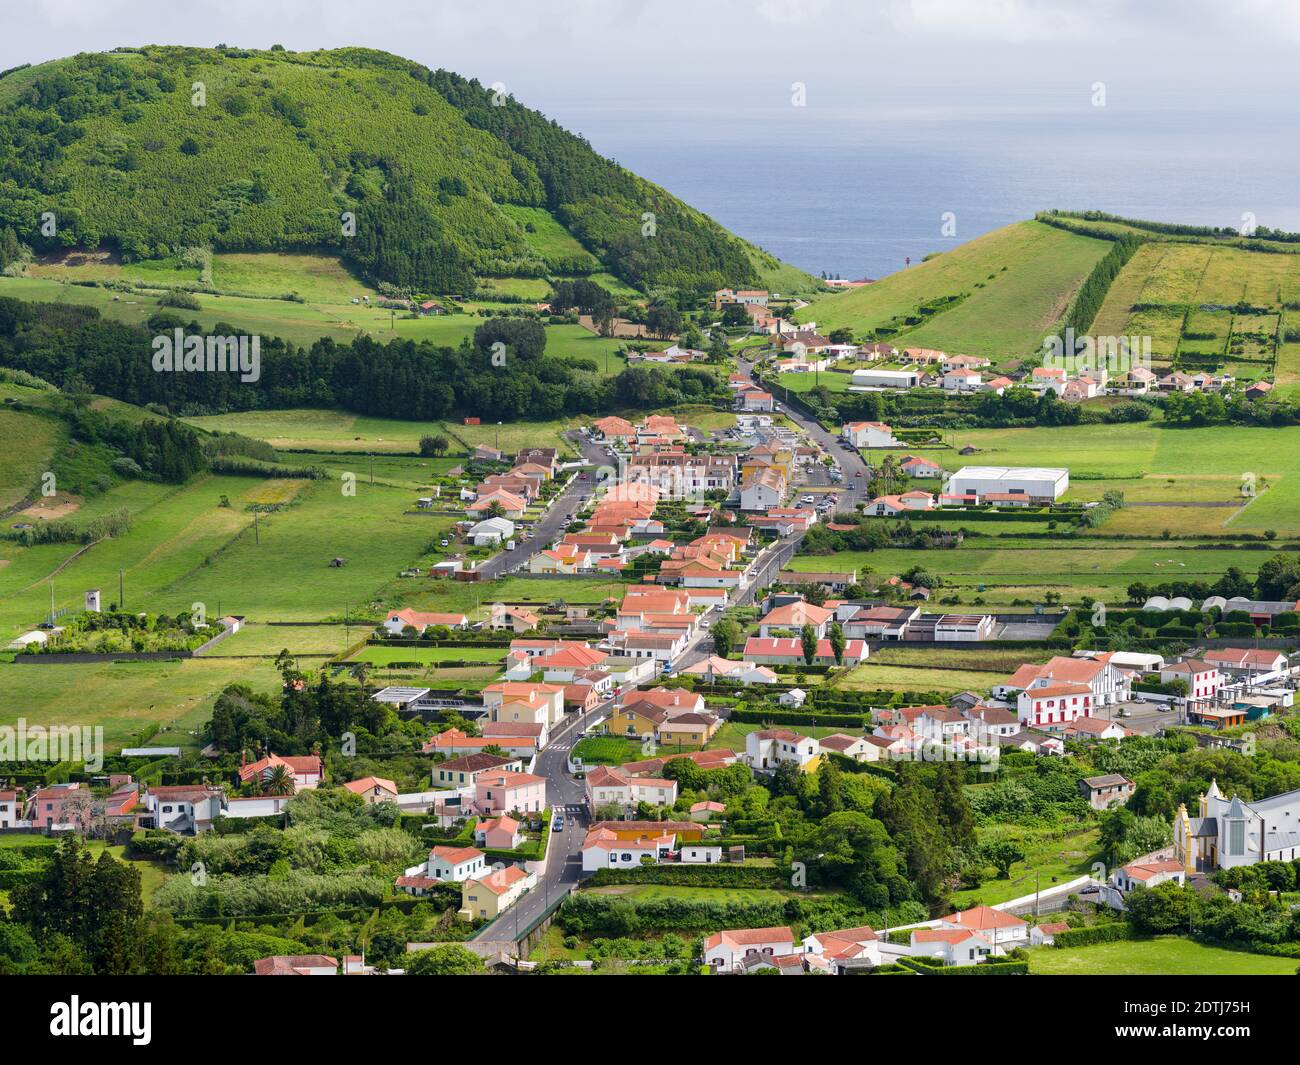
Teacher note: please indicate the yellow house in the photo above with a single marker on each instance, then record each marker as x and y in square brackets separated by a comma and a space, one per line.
[688, 730]
[493, 894]
[639, 720]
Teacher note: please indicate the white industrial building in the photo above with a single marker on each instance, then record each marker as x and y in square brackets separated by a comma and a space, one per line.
[1034, 482]
[492, 531]
[886, 378]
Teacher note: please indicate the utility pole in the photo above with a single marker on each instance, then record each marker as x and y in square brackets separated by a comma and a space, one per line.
[257, 535]
[121, 594]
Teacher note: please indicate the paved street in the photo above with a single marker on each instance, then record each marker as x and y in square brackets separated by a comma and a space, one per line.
[551, 527]
[563, 793]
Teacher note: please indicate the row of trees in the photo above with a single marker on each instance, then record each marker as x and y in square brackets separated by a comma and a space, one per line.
[75, 347]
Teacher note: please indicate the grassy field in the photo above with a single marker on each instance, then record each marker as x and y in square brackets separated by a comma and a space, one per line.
[383, 656]
[183, 548]
[29, 442]
[256, 638]
[1052, 856]
[918, 678]
[1029, 272]
[340, 431]
[130, 698]
[1164, 956]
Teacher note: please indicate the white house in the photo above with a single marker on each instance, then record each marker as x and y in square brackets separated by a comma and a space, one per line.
[602, 849]
[727, 950]
[999, 928]
[1148, 874]
[611, 786]
[844, 948]
[769, 748]
[451, 864]
[956, 946]
[1203, 680]
[184, 808]
[869, 434]
[398, 620]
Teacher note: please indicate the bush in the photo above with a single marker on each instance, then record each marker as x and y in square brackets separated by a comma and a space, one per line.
[1101, 933]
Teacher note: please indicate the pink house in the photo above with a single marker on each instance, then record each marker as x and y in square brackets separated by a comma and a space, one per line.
[500, 833]
[500, 792]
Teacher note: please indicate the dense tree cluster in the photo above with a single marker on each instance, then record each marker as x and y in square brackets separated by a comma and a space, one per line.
[400, 379]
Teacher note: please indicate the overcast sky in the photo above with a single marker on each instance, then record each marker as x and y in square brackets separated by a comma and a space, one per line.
[910, 58]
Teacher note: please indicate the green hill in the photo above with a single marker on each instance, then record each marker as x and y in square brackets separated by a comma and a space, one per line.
[151, 150]
[1006, 290]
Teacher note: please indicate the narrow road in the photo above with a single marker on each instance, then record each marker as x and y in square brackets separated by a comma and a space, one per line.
[552, 525]
[564, 795]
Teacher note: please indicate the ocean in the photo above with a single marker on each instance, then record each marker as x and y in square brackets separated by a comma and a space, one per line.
[855, 195]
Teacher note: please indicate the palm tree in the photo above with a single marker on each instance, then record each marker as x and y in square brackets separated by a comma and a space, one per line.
[888, 475]
[278, 782]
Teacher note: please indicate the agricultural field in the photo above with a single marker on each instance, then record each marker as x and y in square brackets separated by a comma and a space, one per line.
[28, 441]
[1001, 575]
[1155, 957]
[380, 655]
[471, 597]
[1151, 450]
[869, 677]
[184, 547]
[131, 699]
[1165, 281]
[1028, 272]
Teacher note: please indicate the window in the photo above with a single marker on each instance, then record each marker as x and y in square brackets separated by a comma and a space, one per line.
[1236, 838]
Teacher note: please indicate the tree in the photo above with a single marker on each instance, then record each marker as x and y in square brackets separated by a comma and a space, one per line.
[279, 781]
[726, 633]
[1003, 854]
[450, 959]
[431, 445]
[808, 642]
[836, 637]
[95, 905]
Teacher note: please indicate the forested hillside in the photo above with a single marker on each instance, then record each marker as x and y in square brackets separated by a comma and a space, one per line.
[155, 149]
